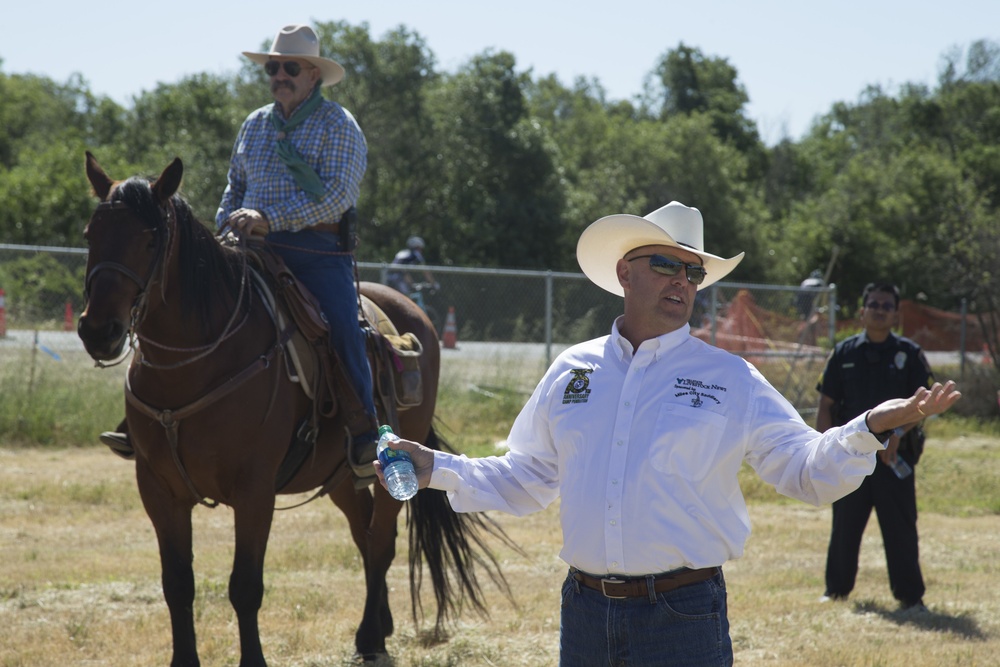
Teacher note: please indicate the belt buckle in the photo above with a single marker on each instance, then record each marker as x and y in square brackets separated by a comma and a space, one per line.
[611, 580]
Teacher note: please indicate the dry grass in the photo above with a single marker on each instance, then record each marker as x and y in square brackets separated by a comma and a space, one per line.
[79, 580]
[79, 584]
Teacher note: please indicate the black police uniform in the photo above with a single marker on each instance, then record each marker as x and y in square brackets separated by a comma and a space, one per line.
[859, 375]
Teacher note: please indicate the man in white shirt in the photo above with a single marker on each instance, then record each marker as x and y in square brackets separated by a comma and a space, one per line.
[642, 434]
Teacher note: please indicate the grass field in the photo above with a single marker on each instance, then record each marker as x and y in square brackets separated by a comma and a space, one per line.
[79, 580]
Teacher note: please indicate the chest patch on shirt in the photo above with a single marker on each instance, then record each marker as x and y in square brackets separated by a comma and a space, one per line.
[578, 389]
[698, 391]
[900, 360]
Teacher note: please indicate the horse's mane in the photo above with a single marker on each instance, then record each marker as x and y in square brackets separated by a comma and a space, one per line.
[207, 269]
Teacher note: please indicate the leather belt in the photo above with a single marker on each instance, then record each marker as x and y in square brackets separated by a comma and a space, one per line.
[332, 227]
[635, 587]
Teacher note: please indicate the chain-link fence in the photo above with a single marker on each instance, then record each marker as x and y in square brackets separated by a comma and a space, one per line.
[785, 331]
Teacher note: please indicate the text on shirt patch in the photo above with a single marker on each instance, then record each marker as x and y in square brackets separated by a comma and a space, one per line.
[578, 389]
[698, 390]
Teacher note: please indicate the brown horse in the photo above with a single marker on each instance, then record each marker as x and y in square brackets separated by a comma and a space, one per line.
[211, 413]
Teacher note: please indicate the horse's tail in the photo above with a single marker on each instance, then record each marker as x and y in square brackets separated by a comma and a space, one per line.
[453, 545]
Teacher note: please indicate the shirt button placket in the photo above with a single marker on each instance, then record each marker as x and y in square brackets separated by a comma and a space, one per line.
[614, 542]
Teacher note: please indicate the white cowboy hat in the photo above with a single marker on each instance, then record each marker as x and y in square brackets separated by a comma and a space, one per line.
[606, 241]
[299, 41]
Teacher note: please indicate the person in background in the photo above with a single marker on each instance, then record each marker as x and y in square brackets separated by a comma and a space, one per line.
[642, 434]
[807, 296]
[412, 255]
[874, 366]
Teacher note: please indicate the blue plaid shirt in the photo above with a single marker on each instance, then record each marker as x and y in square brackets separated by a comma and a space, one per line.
[329, 140]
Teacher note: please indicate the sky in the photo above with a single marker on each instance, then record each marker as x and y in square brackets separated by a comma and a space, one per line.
[795, 58]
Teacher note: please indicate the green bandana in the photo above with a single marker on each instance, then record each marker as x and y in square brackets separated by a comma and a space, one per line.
[303, 174]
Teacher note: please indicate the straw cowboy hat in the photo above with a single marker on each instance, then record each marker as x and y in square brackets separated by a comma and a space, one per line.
[299, 41]
[606, 241]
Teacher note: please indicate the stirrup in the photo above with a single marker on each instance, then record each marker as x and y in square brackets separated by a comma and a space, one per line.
[119, 444]
[360, 455]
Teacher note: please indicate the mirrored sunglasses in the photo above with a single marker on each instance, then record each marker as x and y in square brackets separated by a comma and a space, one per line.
[291, 67]
[671, 266]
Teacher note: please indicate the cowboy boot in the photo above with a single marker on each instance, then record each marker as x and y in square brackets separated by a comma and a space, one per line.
[118, 441]
[361, 426]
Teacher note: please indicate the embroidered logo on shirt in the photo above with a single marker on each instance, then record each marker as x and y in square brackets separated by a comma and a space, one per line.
[698, 390]
[578, 389]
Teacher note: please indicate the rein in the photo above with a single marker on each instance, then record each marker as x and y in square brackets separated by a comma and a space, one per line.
[170, 419]
[228, 331]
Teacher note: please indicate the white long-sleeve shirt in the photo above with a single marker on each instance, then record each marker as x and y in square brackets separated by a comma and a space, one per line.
[644, 448]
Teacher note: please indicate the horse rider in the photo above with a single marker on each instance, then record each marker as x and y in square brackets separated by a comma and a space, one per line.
[412, 254]
[294, 177]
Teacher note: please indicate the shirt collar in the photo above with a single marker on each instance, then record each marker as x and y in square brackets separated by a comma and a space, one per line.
[865, 340]
[658, 346]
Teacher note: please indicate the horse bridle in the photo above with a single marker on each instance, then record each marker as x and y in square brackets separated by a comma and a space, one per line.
[138, 309]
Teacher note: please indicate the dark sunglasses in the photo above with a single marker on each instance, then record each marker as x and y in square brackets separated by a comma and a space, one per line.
[875, 305]
[671, 266]
[291, 67]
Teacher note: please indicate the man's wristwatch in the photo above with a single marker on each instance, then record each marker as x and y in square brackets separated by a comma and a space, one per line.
[881, 436]
[884, 436]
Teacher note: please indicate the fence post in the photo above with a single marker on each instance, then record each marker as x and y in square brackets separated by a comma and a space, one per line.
[831, 307]
[548, 317]
[961, 346]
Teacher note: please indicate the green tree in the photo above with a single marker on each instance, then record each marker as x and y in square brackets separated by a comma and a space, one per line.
[500, 196]
[588, 139]
[195, 119]
[686, 82]
[43, 194]
[385, 87]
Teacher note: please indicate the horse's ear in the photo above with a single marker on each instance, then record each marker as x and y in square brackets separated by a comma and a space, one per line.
[98, 179]
[169, 181]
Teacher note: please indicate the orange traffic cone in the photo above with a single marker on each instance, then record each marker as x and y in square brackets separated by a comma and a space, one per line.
[3, 314]
[450, 330]
[68, 318]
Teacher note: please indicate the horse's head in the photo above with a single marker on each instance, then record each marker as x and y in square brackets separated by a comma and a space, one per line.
[129, 237]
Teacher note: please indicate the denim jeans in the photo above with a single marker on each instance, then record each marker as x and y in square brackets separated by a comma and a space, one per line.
[315, 258]
[685, 627]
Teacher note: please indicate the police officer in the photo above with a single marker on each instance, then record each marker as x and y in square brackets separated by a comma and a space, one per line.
[864, 370]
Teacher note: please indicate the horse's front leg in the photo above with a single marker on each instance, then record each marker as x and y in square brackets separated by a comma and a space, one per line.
[172, 522]
[373, 528]
[253, 516]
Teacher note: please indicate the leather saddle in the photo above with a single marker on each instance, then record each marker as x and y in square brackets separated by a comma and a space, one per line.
[313, 364]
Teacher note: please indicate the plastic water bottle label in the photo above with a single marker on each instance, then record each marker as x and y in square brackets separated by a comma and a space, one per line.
[387, 456]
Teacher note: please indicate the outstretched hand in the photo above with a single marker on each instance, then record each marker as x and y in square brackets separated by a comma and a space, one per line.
[423, 462]
[922, 404]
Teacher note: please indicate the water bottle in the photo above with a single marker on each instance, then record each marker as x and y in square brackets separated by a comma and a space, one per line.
[901, 468]
[396, 465]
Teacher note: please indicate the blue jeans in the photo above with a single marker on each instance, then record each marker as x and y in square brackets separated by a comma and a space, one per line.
[685, 627]
[317, 260]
